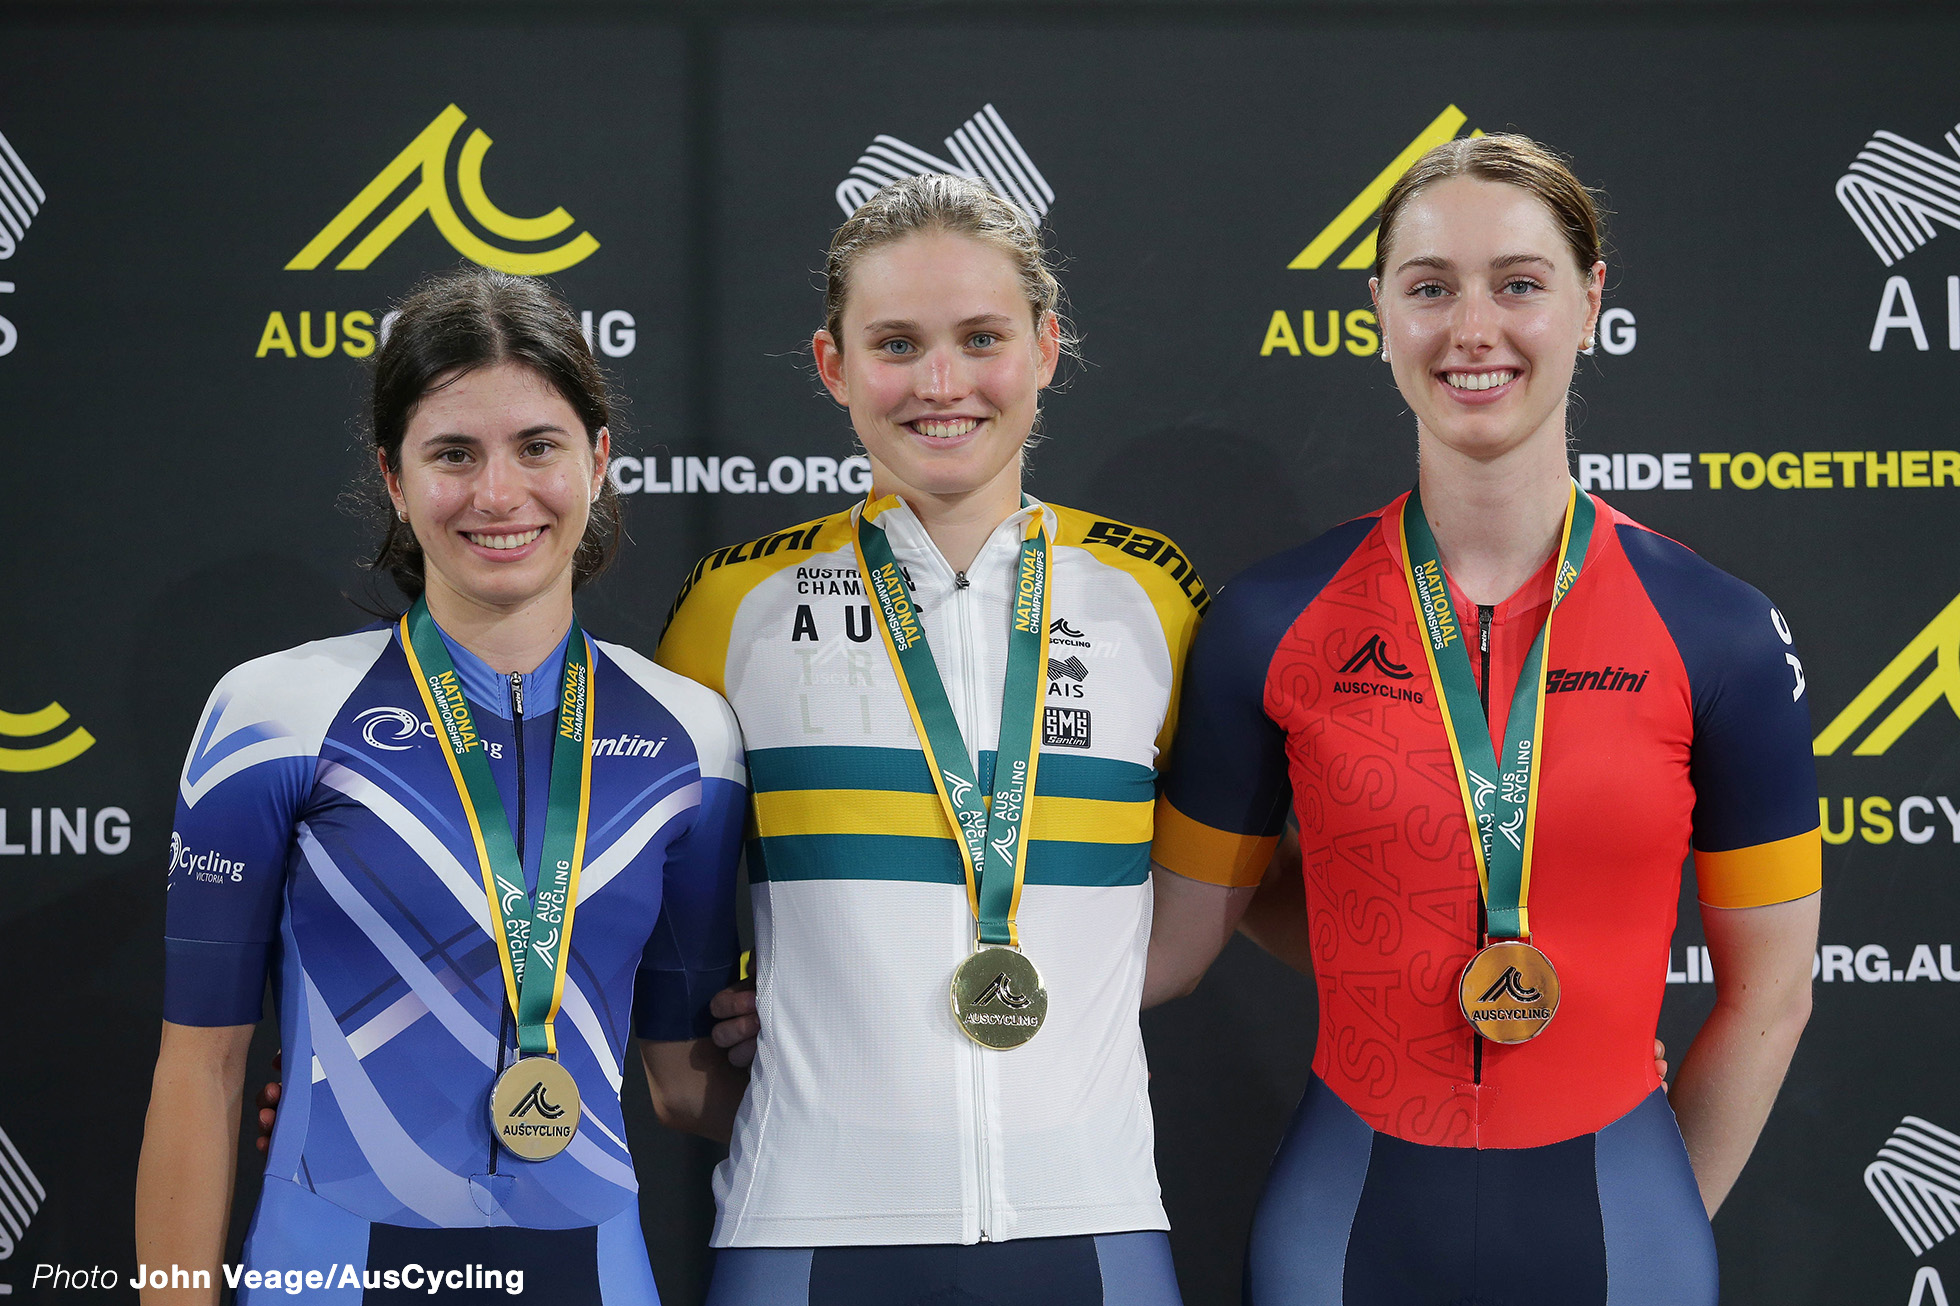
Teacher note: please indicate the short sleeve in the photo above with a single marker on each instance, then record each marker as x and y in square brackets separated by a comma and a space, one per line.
[1226, 795]
[239, 796]
[692, 952]
[1756, 839]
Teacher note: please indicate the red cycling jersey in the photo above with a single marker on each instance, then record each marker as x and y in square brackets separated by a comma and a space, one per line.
[1674, 713]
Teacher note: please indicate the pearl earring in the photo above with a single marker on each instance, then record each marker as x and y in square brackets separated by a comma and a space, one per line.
[1384, 353]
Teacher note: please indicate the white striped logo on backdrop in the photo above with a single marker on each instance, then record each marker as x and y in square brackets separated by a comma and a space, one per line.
[982, 148]
[21, 198]
[1897, 189]
[21, 1196]
[1916, 1180]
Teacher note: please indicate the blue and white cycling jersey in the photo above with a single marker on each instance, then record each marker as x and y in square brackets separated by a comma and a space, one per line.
[319, 836]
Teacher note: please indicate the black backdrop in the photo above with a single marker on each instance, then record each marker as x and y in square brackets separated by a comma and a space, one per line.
[173, 455]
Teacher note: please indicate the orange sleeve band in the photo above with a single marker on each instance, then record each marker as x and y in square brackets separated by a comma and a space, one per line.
[1763, 873]
[1199, 852]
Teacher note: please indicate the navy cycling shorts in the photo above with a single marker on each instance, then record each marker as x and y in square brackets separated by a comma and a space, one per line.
[1351, 1217]
[1111, 1269]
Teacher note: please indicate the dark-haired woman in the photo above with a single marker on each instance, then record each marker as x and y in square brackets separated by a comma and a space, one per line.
[1503, 714]
[465, 845]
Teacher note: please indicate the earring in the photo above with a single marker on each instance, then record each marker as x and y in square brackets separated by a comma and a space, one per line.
[1384, 353]
[1591, 339]
[400, 515]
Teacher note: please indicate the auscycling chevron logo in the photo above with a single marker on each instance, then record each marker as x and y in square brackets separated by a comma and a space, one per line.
[1368, 202]
[1896, 189]
[1375, 654]
[1939, 642]
[425, 160]
[982, 148]
[41, 757]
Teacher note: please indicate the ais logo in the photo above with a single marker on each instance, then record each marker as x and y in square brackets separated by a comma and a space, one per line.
[982, 148]
[1940, 642]
[1899, 193]
[41, 757]
[426, 162]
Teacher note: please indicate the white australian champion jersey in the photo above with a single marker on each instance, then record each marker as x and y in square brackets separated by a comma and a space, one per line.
[871, 1118]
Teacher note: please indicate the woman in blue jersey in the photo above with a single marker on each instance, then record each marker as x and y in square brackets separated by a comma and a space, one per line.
[466, 846]
[954, 698]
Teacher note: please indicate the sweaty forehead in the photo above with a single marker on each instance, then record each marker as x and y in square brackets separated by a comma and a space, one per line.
[1471, 223]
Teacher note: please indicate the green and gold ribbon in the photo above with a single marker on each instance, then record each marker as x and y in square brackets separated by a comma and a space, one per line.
[992, 827]
[1499, 790]
[534, 931]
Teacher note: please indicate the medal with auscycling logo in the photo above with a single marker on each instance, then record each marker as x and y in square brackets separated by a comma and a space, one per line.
[998, 1000]
[534, 1106]
[1509, 992]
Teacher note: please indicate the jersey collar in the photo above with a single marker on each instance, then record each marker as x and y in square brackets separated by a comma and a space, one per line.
[489, 689]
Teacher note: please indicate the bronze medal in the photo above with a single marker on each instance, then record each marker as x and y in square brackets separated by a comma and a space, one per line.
[998, 999]
[534, 1109]
[1509, 992]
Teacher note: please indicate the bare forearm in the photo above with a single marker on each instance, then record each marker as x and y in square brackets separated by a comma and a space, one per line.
[1726, 1086]
[1277, 918]
[184, 1177]
[694, 1088]
[1191, 921]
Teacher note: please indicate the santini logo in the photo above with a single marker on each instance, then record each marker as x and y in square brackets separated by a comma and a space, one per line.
[1001, 992]
[426, 160]
[535, 1100]
[1916, 1181]
[1375, 654]
[1897, 189]
[41, 757]
[982, 148]
[21, 198]
[1939, 642]
[1510, 987]
[1369, 202]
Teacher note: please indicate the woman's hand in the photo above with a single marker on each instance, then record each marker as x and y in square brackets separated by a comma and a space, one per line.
[268, 1104]
[738, 1023]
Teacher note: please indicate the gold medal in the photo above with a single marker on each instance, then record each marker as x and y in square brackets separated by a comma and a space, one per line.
[1509, 992]
[998, 999]
[534, 1109]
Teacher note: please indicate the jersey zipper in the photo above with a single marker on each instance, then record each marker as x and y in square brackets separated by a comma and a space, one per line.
[517, 718]
[1484, 614]
[973, 697]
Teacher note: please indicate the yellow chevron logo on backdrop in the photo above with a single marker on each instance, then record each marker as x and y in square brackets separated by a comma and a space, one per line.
[1369, 202]
[45, 757]
[428, 155]
[1939, 641]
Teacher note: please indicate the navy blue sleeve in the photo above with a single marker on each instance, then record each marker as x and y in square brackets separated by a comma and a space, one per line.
[692, 953]
[238, 799]
[1227, 791]
[1754, 776]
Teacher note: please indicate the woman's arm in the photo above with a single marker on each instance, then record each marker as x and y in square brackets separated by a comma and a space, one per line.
[694, 1088]
[1729, 1079]
[1190, 923]
[1276, 920]
[190, 1154]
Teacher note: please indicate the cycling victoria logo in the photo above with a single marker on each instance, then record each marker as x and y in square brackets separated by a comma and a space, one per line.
[21, 198]
[48, 739]
[1915, 1179]
[419, 182]
[204, 866]
[1899, 193]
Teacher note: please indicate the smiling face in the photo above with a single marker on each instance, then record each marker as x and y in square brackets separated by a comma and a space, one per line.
[1484, 310]
[497, 478]
[941, 361]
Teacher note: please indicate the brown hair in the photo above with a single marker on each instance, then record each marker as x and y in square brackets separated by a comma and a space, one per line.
[941, 202]
[1517, 161]
[452, 324]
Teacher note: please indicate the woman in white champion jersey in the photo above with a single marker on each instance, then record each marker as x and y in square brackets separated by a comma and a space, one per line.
[949, 655]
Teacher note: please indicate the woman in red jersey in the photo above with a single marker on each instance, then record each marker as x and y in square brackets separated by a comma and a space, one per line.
[1502, 714]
